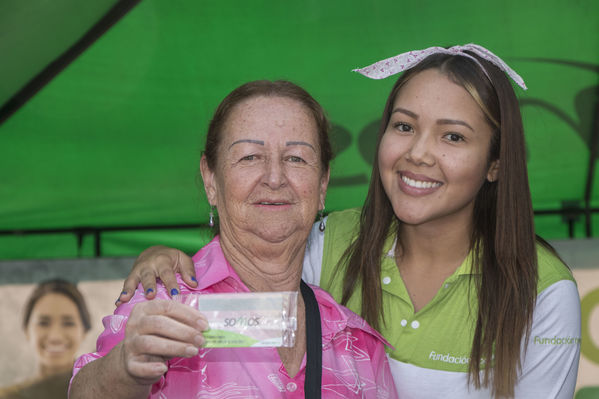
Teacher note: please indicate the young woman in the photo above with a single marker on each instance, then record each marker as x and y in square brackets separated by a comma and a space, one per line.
[443, 257]
[55, 321]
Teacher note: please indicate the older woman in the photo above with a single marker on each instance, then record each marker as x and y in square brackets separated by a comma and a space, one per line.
[266, 170]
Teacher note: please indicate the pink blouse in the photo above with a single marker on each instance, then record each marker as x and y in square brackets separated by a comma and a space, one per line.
[353, 354]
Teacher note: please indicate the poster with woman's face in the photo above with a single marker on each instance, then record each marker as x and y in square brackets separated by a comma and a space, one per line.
[55, 334]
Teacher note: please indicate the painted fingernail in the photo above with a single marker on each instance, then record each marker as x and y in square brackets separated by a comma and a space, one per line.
[194, 279]
[124, 293]
[174, 292]
[149, 290]
[117, 302]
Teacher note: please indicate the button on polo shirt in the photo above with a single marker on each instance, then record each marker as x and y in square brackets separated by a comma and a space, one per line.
[428, 347]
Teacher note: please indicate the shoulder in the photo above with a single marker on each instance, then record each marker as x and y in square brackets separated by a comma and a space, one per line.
[14, 391]
[557, 309]
[54, 386]
[209, 253]
[551, 269]
[348, 219]
[337, 319]
[341, 228]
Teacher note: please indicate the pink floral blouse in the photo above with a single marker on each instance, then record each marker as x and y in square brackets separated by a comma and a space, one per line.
[353, 354]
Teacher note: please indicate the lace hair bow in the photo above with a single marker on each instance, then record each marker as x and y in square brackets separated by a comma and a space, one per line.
[402, 62]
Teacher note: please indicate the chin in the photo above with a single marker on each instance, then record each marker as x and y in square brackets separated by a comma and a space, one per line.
[409, 217]
[276, 234]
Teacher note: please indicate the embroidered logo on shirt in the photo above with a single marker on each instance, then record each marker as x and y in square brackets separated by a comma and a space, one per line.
[448, 358]
[556, 341]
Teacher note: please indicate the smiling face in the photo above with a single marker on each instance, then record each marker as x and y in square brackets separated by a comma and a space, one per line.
[268, 183]
[433, 156]
[55, 331]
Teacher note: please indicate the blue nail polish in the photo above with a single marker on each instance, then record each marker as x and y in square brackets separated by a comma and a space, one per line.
[193, 279]
[116, 303]
[174, 292]
[149, 290]
[124, 293]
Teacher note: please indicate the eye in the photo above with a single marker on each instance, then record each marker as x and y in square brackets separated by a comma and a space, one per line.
[294, 158]
[43, 323]
[248, 158]
[454, 137]
[402, 127]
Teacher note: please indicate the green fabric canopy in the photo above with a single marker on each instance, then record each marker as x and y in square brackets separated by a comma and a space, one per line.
[107, 151]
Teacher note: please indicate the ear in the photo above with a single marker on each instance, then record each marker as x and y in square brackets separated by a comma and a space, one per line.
[493, 171]
[324, 183]
[209, 181]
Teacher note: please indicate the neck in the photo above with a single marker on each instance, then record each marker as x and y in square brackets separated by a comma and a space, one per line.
[45, 371]
[434, 246]
[264, 266]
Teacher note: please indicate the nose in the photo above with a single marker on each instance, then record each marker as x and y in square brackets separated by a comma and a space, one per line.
[274, 175]
[421, 150]
[55, 333]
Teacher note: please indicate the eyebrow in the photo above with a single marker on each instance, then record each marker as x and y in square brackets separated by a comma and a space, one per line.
[260, 142]
[405, 111]
[439, 121]
[299, 143]
[453, 122]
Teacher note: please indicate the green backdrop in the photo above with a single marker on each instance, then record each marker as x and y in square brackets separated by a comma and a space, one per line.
[113, 141]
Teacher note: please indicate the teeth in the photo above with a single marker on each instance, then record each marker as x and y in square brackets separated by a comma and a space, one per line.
[272, 203]
[419, 184]
[56, 349]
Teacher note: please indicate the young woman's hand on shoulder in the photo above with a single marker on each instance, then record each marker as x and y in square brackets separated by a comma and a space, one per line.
[158, 262]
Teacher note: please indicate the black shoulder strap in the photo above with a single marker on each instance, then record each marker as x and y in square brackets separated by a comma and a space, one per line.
[313, 382]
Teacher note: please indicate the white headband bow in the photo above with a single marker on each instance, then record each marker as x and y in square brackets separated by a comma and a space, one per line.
[404, 61]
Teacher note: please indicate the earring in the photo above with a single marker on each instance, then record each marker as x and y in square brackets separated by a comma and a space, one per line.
[321, 226]
[211, 216]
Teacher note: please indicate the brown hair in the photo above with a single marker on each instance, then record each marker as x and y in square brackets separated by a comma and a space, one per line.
[267, 88]
[62, 287]
[503, 239]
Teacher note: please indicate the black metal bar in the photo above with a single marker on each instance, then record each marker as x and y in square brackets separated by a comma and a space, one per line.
[103, 229]
[79, 235]
[55, 67]
[580, 210]
[97, 244]
[591, 171]
[97, 231]
[89, 230]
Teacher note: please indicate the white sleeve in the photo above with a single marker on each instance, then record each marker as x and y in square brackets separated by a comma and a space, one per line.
[550, 363]
[313, 255]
